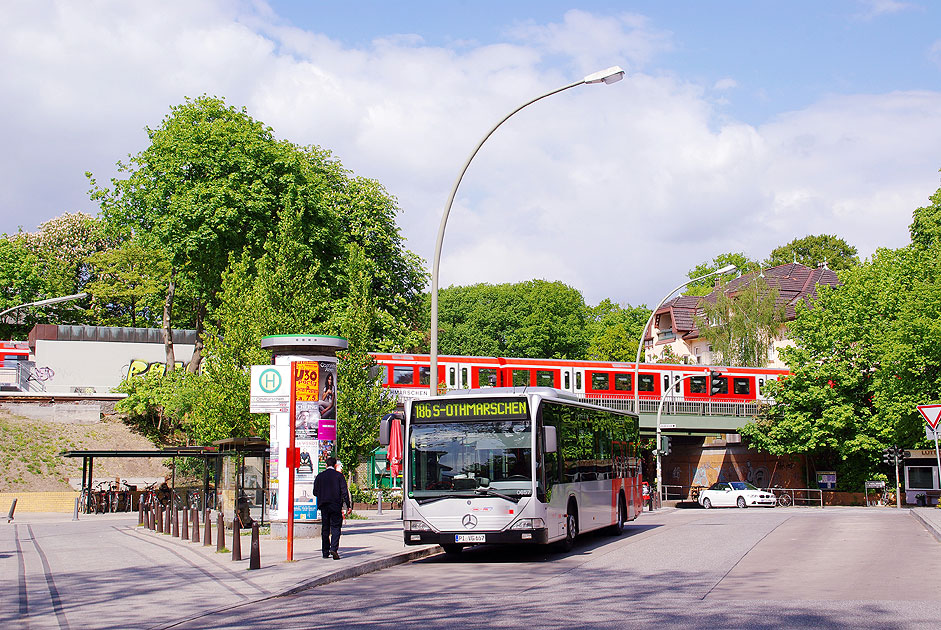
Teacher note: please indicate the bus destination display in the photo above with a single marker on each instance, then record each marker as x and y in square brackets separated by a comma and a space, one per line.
[465, 409]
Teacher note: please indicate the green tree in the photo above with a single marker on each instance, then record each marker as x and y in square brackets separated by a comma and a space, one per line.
[21, 281]
[814, 250]
[536, 318]
[866, 354]
[741, 326]
[926, 223]
[705, 287]
[129, 281]
[614, 331]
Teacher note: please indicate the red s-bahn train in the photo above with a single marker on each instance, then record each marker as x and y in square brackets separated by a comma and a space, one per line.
[593, 379]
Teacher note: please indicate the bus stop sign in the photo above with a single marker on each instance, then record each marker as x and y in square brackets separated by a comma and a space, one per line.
[931, 414]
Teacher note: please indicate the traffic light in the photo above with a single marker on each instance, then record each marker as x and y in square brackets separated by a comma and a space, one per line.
[888, 455]
[895, 455]
[718, 384]
[666, 444]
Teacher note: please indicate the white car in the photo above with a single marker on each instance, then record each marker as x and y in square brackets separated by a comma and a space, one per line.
[732, 493]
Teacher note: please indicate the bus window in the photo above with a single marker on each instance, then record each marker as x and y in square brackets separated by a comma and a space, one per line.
[520, 378]
[600, 381]
[403, 375]
[622, 382]
[545, 378]
[424, 376]
[697, 385]
[645, 383]
[741, 386]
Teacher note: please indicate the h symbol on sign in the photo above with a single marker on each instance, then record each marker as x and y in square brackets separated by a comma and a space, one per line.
[269, 380]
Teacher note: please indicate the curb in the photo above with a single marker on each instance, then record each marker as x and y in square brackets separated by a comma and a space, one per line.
[362, 569]
[931, 527]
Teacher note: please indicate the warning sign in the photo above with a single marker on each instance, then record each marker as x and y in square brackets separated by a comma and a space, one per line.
[931, 414]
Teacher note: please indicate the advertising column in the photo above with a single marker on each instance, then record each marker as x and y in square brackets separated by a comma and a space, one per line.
[309, 426]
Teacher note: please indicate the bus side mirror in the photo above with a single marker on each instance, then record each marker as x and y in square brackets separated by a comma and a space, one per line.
[549, 439]
[385, 429]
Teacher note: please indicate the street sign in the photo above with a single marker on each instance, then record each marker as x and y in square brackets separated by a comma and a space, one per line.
[932, 434]
[270, 389]
[931, 414]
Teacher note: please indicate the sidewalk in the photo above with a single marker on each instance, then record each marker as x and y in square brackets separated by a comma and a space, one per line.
[931, 518]
[95, 584]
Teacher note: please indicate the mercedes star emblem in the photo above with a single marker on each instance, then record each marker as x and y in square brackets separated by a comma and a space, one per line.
[469, 521]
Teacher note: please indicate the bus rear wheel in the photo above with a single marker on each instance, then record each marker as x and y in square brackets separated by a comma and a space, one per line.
[618, 527]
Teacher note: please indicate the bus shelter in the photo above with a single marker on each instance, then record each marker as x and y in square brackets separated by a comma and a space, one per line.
[208, 454]
[242, 471]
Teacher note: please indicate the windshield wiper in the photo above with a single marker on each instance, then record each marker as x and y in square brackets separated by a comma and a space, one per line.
[439, 497]
[494, 493]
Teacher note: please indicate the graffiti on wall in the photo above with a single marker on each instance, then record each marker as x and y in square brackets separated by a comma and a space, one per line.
[139, 366]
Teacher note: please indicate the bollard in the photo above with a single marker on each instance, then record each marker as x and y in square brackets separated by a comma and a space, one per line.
[207, 534]
[254, 561]
[166, 526]
[159, 518]
[379, 499]
[176, 522]
[186, 525]
[236, 540]
[150, 519]
[220, 533]
[12, 510]
[75, 510]
[195, 525]
[140, 513]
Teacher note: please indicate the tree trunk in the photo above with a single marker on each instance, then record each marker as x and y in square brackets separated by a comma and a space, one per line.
[167, 320]
[197, 359]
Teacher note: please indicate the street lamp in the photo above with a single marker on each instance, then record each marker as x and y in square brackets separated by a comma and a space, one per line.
[640, 346]
[55, 300]
[611, 75]
[712, 373]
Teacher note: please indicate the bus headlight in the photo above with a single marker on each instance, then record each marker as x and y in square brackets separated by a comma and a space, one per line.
[529, 523]
[416, 526]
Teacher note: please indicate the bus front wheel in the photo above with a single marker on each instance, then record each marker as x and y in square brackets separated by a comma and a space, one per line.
[571, 527]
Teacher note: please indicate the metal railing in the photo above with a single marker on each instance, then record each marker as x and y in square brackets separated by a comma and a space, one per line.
[673, 493]
[799, 497]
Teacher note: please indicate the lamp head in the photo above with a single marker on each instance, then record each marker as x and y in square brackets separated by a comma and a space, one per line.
[608, 76]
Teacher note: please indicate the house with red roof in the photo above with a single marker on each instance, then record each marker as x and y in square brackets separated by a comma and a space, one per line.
[673, 333]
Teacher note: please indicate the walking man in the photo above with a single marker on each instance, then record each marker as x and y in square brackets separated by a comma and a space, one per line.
[332, 494]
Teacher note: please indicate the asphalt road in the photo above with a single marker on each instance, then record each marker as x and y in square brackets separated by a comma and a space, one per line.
[755, 568]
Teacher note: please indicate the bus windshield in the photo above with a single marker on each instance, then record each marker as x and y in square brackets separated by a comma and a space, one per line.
[471, 458]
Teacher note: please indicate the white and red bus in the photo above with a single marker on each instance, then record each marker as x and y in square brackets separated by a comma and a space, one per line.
[511, 465]
[600, 380]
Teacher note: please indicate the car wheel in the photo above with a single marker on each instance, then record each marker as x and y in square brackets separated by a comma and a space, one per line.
[741, 502]
[706, 503]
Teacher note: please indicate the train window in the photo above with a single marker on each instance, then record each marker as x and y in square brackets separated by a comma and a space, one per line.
[452, 377]
[520, 378]
[545, 378]
[622, 382]
[403, 375]
[384, 374]
[424, 376]
[666, 382]
[578, 380]
[676, 384]
[645, 383]
[464, 378]
[722, 383]
[568, 381]
[487, 377]
[697, 385]
[741, 386]
[600, 380]
[761, 382]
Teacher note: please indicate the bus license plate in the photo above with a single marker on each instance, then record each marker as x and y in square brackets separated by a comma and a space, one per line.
[470, 538]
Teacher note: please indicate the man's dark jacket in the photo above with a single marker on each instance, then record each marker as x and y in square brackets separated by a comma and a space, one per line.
[330, 487]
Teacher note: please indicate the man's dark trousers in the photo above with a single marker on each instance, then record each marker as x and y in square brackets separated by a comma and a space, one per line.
[331, 520]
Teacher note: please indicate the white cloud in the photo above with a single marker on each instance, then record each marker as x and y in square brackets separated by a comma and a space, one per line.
[617, 190]
[874, 8]
[725, 84]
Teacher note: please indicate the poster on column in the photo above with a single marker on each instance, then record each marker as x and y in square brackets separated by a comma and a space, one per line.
[315, 395]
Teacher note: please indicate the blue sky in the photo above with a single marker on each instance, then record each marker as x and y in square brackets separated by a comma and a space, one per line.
[739, 127]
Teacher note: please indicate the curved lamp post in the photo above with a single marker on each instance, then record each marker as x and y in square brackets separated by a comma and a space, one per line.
[55, 300]
[611, 75]
[640, 346]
